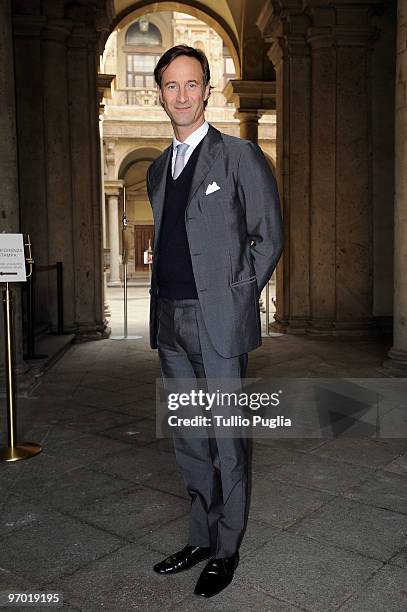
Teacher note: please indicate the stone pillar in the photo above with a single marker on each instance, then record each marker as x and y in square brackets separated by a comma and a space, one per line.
[98, 193]
[58, 165]
[341, 256]
[114, 242]
[398, 352]
[252, 99]
[9, 206]
[321, 56]
[249, 124]
[32, 156]
[383, 69]
[103, 208]
[86, 197]
[290, 56]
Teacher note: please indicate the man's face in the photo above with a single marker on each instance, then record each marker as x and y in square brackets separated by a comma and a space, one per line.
[182, 93]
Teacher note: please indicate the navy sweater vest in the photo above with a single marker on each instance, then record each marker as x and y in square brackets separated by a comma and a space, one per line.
[174, 267]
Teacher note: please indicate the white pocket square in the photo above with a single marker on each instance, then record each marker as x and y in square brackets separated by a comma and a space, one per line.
[211, 188]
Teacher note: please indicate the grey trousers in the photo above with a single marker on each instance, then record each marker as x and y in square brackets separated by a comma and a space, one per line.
[215, 470]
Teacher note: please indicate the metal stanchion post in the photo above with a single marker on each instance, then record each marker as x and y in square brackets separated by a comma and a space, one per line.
[268, 309]
[31, 354]
[125, 259]
[30, 319]
[125, 256]
[125, 302]
[150, 260]
[13, 451]
[60, 297]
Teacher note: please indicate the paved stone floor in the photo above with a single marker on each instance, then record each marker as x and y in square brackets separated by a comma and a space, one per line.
[104, 501]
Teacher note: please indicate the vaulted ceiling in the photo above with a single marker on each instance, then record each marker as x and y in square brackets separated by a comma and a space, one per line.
[228, 10]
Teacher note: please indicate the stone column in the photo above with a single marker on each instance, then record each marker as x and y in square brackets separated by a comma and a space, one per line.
[290, 56]
[341, 256]
[398, 352]
[252, 99]
[9, 206]
[32, 154]
[58, 165]
[114, 242]
[96, 152]
[321, 55]
[249, 124]
[86, 197]
[103, 207]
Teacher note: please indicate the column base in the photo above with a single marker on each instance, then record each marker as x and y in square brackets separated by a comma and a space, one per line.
[284, 326]
[397, 363]
[25, 382]
[114, 283]
[90, 333]
[325, 327]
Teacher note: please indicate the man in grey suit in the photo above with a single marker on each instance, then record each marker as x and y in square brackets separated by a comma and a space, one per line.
[218, 238]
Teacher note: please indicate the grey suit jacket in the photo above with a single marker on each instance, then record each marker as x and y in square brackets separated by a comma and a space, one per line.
[235, 237]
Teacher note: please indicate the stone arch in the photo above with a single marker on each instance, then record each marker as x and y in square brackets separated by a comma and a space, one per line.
[131, 169]
[225, 28]
[134, 155]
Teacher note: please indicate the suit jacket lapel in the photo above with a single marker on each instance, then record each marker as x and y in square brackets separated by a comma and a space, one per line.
[158, 182]
[210, 150]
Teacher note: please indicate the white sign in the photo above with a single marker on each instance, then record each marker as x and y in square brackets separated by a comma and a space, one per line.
[12, 258]
[148, 257]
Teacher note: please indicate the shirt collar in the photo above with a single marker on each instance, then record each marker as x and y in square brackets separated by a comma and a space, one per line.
[194, 138]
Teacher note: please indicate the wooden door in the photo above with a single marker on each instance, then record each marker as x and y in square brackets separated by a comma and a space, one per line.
[142, 235]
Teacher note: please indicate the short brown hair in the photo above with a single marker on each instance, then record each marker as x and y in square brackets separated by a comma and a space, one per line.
[171, 54]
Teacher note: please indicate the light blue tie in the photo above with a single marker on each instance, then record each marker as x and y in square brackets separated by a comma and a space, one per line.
[180, 160]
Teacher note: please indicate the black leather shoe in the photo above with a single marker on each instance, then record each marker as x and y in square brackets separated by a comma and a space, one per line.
[216, 576]
[183, 559]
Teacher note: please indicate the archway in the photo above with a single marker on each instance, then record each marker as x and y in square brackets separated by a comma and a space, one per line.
[132, 171]
[216, 13]
[135, 94]
[136, 129]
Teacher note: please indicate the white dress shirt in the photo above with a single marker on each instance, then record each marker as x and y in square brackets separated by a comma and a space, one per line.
[193, 141]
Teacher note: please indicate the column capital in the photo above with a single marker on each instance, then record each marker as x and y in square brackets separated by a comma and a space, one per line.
[82, 12]
[293, 27]
[104, 82]
[246, 116]
[57, 30]
[284, 25]
[104, 16]
[112, 188]
[28, 25]
[342, 5]
[251, 96]
[82, 37]
[342, 35]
